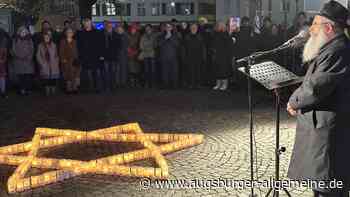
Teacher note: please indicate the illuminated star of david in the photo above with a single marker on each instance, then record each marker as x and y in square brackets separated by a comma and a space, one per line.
[113, 165]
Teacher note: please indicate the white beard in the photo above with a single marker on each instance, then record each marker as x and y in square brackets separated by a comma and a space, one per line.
[313, 46]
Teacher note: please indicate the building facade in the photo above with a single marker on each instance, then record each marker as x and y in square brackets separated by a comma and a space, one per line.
[69, 8]
[280, 11]
[314, 6]
[228, 8]
[286, 10]
[153, 11]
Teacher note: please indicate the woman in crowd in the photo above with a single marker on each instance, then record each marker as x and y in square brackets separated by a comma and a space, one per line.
[194, 56]
[147, 47]
[264, 39]
[70, 65]
[222, 53]
[23, 52]
[133, 54]
[276, 41]
[246, 39]
[110, 46]
[168, 45]
[122, 56]
[48, 60]
[300, 23]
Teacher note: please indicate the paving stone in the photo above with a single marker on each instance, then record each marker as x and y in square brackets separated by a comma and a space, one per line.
[224, 154]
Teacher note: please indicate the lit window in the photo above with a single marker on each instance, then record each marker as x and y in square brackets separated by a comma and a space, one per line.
[110, 9]
[94, 10]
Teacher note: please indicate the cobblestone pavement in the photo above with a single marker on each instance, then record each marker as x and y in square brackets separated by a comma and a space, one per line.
[221, 117]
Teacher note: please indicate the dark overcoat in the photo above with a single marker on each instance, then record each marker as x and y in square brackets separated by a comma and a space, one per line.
[222, 52]
[122, 44]
[90, 48]
[194, 51]
[322, 141]
[169, 48]
[246, 42]
[109, 46]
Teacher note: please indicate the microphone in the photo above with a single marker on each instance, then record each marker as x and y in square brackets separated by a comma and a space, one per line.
[297, 40]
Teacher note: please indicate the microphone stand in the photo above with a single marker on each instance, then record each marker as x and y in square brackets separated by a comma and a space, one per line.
[250, 60]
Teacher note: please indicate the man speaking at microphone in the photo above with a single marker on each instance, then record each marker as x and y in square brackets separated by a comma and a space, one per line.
[322, 106]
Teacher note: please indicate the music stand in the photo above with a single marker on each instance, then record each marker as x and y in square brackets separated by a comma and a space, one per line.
[273, 77]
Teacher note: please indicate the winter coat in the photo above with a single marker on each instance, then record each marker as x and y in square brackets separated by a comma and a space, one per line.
[90, 48]
[133, 47]
[133, 52]
[194, 50]
[23, 53]
[110, 46]
[246, 42]
[70, 64]
[267, 41]
[122, 51]
[222, 53]
[5, 39]
[322, 135]
[168, 48]
[48, 60]
[148, 45]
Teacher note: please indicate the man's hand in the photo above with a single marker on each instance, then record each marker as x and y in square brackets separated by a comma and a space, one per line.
[291, 111]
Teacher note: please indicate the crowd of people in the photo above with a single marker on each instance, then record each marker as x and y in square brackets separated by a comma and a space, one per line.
[171, 55]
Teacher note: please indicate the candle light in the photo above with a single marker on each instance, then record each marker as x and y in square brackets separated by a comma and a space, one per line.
[63, 169]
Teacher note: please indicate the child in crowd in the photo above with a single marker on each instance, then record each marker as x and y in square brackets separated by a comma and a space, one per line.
[48, 60]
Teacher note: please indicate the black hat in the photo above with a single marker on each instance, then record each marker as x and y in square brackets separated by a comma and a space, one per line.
[335, 12]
